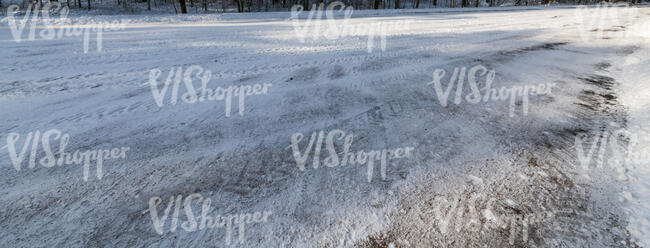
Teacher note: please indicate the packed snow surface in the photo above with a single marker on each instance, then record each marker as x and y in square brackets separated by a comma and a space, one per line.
[495, 172]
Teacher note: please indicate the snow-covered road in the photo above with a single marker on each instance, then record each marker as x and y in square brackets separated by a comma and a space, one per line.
[489, 175]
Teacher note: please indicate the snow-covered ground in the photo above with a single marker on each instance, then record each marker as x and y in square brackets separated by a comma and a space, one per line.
[479, 174]
[634, 74]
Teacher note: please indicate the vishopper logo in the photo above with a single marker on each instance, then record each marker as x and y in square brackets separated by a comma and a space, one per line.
[204, 93]
[606, 145]
[51, 159]
[488, 93]
[64, 25]
[463, 214]
[349, 158]
[609, 20]
[333, 30]
[206, 221]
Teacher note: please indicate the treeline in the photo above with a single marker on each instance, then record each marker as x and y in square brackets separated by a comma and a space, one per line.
[182, 6]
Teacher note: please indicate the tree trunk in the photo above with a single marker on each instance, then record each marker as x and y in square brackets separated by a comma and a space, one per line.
[239, 7]
[88, 4]
[173, 4]
[477, 1]
[205, 5]
[396, 4]
[79, 3]
[192, 3]
[377, 2]
[417, 4]
[183, 7]
[435, 3]
[305, 4]
[148, 4]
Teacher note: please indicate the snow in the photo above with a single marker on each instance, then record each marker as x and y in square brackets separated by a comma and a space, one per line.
[505, 166]
[635, 74]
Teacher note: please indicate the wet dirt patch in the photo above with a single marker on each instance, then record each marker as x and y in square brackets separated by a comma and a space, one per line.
[504, 56]
[522, 214]
[609, 30]
[603, 82]
[336, 72]
[599, 103]
[602, 66]
[545, 46]
[628, 50]
[248, 78]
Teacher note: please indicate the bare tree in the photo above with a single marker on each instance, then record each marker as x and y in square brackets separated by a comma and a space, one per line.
[88, 4]
[183, 7]
[396, 4]
[240, 7]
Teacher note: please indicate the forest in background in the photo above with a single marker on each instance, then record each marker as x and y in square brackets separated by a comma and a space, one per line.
[223, 6]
